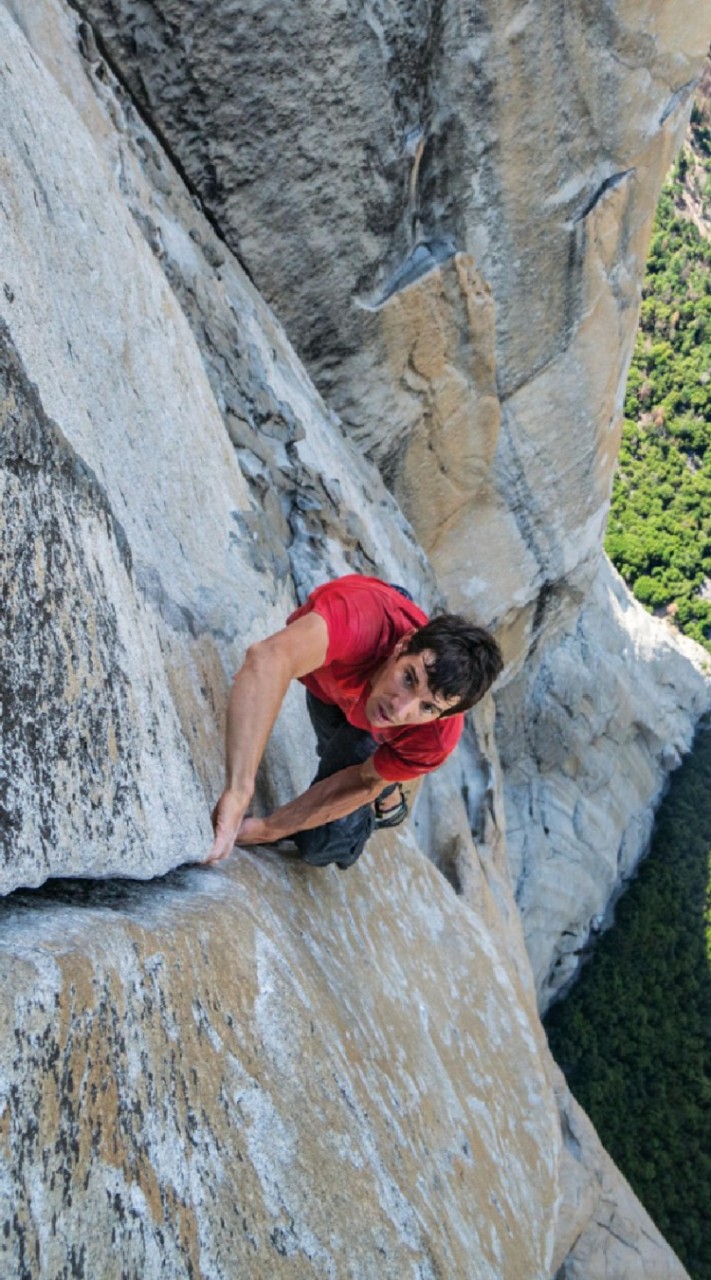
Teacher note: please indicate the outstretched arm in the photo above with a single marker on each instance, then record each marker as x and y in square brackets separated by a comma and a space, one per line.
[257, 693]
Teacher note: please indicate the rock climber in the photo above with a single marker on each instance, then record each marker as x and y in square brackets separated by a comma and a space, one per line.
[386, 691]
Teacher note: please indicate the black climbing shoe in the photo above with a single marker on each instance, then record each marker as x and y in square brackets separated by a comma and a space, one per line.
[394, 816]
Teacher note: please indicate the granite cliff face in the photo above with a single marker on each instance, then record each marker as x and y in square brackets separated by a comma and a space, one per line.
[262, 1070]
[392, 176]
[449, 208]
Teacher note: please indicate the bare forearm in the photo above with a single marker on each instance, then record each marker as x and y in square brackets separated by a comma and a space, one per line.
[325, 801]
[257, 693]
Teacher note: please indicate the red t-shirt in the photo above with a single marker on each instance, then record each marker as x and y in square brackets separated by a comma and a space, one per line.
[365, 619]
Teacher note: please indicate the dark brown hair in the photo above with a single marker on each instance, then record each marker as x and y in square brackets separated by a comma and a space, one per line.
[467, 659]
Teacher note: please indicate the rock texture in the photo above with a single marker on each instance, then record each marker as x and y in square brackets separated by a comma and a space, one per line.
[262, 1072]
[601, 1230]
[161, 485]
[586, 736]
[266, 1070]
[413, 162]
[461, 196]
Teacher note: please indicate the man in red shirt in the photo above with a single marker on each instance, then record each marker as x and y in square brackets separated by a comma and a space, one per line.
[386, 692]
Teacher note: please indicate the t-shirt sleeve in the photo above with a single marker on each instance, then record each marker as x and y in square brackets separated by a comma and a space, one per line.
[419, 751]
[355, 622]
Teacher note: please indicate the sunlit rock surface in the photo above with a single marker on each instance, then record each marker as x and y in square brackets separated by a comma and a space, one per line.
[449, 207]
[166, 488]
[586, 736]
[272, 1071]
[263, 1068]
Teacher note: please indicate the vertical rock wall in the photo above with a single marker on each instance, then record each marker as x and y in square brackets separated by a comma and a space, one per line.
[372, 145]
[586, 735]
[262, 1068]
[170, 486]
[460, 198]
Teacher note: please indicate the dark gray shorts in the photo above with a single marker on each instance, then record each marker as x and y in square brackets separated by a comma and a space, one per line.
[339, 745]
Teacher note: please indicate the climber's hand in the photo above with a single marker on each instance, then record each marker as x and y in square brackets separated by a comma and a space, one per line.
[226, 821]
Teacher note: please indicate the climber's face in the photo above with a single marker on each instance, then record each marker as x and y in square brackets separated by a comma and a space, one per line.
[400, 693]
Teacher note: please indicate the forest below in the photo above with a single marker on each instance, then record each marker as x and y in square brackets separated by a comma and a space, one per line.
[659, 532]
[634, 1035]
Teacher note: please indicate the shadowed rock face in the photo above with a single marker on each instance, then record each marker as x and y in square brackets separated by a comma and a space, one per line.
[350, 152]
[264, 1068]
[64, 560]
[373, 141]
